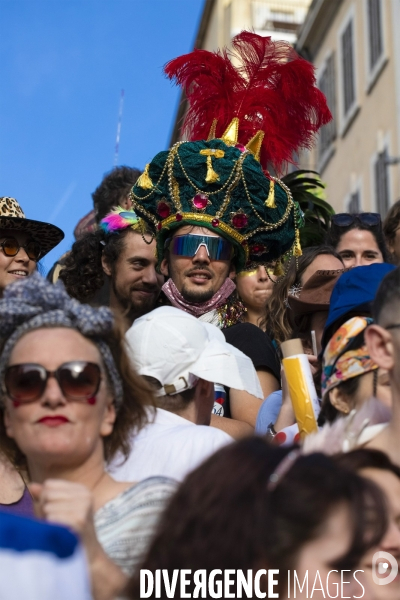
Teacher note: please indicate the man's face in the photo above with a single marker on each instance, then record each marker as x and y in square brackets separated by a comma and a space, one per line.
[198, 277]
[135, 283]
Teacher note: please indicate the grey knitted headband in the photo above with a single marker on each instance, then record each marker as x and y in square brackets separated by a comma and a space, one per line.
[33, 303]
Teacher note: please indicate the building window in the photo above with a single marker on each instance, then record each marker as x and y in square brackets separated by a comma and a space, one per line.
[375, 37]
[376, 57]
[382, 183]
[354, 205]
[327, 85]
[349, 95]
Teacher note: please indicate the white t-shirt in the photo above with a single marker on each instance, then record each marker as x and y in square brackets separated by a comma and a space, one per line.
[170, 446]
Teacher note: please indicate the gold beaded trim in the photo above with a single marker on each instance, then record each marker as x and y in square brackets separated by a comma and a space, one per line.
[137, 206]
[132, 193]
[238, 168]
[283, 219]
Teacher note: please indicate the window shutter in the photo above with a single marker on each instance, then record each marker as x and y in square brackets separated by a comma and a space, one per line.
[382, 184]
[348, 68]
[374, 32]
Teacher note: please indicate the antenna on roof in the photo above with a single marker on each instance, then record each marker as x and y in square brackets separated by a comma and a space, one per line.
[121, 106]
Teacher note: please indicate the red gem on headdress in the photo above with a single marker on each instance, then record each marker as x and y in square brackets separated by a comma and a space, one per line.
[215, 222]
[159, 226]
[200, 201]
[163, 209]
[178, 217]
[241, 147]
[258, 249]
[239, 220]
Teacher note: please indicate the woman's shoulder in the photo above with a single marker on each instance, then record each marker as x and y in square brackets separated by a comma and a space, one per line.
[139, 496]
[126, 524]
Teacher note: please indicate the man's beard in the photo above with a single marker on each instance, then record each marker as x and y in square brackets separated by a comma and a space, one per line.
[197, 296]
[132, 308]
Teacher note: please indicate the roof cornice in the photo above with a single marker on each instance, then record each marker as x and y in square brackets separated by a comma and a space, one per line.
[318, 20]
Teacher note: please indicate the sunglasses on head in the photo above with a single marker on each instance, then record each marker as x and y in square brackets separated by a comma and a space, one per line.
[11, 247]
[367, 219]
[78, 380]
[189, 244]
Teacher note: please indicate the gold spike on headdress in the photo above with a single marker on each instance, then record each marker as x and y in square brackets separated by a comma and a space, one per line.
[254, 145]
[270, 201]
[230, 135]
[211, 133]
[144, 180]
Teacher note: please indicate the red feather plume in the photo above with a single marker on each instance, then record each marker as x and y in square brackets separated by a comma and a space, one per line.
[266, 84]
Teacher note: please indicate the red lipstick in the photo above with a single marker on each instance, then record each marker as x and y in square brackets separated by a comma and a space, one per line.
[53, 420]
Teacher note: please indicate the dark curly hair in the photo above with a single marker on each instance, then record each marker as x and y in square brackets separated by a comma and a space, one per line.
[82, 273]
[115, 185]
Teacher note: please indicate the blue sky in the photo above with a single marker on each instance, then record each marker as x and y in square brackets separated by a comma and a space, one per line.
[63, 64]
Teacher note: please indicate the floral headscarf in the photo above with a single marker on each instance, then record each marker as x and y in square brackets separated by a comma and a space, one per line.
[346, 354]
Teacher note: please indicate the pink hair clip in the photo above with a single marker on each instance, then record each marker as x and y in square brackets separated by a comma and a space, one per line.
[284, 466]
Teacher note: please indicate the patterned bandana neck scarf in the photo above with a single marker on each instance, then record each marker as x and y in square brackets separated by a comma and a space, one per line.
[346, 355]
[198, 308]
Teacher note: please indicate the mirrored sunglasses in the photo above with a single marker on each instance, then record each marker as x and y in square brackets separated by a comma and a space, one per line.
[189, 244]
[78, 380]
[11, 247]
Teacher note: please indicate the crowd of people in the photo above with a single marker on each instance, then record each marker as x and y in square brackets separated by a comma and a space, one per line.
[146, 422]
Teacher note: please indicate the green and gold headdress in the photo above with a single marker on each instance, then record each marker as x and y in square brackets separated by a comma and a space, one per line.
[218, 182]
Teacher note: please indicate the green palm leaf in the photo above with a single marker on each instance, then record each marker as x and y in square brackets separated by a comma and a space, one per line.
[308, 190]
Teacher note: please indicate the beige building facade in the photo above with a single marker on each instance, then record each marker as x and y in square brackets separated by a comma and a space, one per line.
[223, 19]
[355, 45]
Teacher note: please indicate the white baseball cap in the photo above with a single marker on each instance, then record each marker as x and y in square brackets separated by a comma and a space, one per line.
[177, 349]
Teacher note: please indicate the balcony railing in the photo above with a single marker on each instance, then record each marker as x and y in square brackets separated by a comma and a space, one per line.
[278, 15]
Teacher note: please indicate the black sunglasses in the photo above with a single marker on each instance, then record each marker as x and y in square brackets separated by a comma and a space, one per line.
[11, 247]
[78, 380]
[368, 219]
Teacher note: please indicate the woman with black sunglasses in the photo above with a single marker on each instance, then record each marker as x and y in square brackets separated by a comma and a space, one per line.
[358, 238]
[70, 402]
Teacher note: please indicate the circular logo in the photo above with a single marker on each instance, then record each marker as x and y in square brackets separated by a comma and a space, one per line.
[384, 563]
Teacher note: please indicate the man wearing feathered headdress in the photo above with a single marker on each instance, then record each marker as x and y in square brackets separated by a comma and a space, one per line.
[213, 206]
[212, 203]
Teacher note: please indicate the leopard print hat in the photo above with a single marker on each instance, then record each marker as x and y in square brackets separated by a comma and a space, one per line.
[13, 217]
